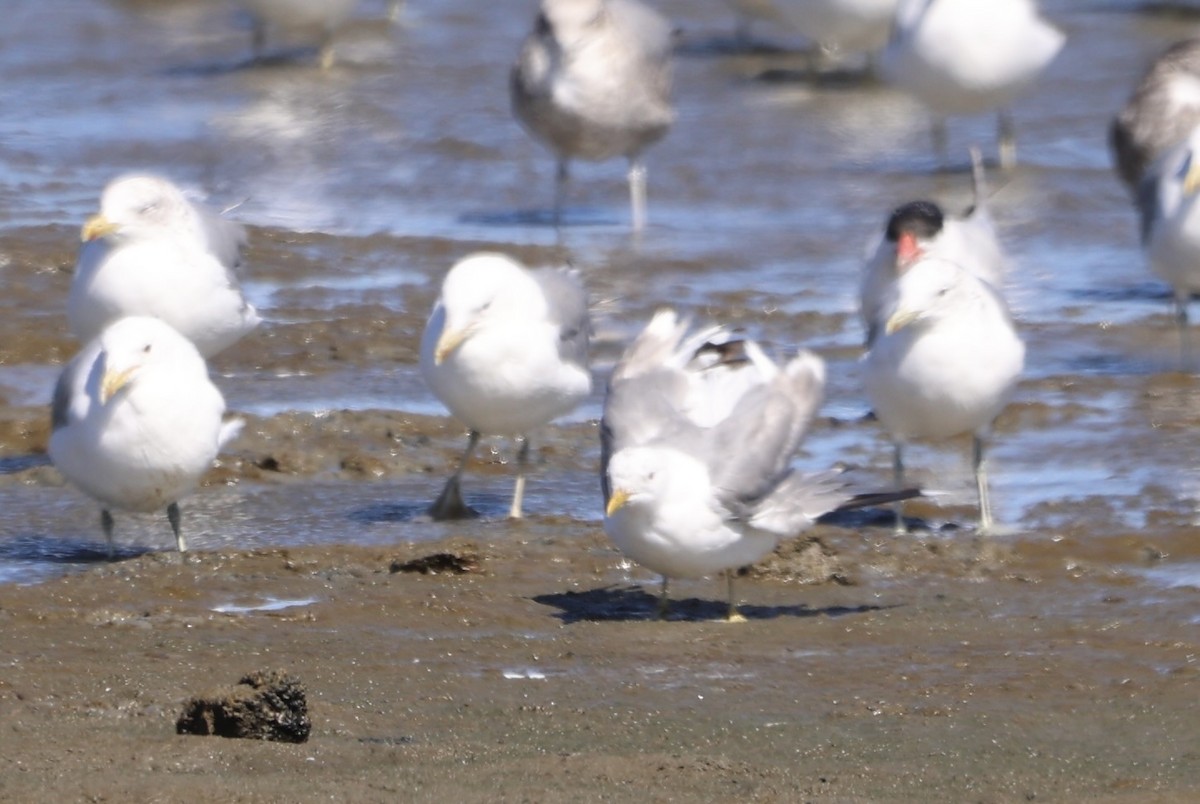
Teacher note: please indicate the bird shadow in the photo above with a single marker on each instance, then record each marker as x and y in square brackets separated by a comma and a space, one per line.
[610, 603]
[483, 506]
[708, 45]
[39, 549]
[573, 217]
[13, 464]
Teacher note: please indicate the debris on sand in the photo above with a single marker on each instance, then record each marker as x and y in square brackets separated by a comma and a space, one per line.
[264, 705]
[439, 562]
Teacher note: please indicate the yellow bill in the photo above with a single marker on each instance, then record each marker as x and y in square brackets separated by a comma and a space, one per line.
[616, 502]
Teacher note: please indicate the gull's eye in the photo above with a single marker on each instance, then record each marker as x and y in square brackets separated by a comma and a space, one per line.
[146, 348]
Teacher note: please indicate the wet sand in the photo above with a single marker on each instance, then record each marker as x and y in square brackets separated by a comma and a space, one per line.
[1057, 661]
[928, 669]
[932, 667]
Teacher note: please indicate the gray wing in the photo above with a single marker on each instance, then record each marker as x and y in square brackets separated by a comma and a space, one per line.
[1148, 205]
[69, 403]
[567, 302]
[750, 451]
[226, 239]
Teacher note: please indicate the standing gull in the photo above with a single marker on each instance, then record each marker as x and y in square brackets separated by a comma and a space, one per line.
[945, 364]
[966, 57]
[152, 252]
[505, 350]
[921, 229]
[592, 82]
[1171, 225]
[1162, 111]
[319, 17]
[136, 421]
[697, 441]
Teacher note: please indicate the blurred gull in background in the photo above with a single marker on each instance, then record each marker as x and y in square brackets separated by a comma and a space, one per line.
[1171, 226]
[592, 82]
[1163, 110]
[966, 57]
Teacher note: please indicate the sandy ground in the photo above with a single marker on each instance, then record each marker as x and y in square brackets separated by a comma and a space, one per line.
[934, 667]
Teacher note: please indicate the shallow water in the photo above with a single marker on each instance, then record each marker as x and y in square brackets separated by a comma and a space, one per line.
[368, 180]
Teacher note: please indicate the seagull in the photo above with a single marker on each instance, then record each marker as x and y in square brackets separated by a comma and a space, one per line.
[946, 363]
[1171, 224]
[136, 421]
[1162, 111]
[322, 17]
[150, 251]
[592, 81]
[965, 57]
[505, 350]
[697, 440]
[920, 229]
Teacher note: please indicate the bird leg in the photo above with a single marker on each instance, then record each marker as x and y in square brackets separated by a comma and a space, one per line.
[106, 522]
[637, 192]
[395, 8]
[449, 504]
[664, 603]
[898, 482]
[258, 39]
[173, 517]
[1181, 321]
[519, 487]
[981, 485]
[1006, 132]
[939, 136]
[327, 56]
[561, 175]
[733, 615]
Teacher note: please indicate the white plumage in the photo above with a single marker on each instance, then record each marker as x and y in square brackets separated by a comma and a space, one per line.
[946, 363]
[965, 57]
[505, 349]
[137, 421]
[152, 252]
[698, 436]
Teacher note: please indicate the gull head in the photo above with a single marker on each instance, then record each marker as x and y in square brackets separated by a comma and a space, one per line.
[642, 476]
[928, 290]
[133, 346]
[137, 204]
[911, 228]
[480, 289]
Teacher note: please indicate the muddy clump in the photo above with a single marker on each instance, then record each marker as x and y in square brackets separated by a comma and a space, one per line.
[264, 705]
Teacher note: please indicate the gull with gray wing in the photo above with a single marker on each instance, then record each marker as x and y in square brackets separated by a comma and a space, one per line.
[506, 351]
[592, 82]
[698, 437]
[136, 420]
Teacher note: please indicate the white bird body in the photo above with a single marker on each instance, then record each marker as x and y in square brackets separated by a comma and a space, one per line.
[136, 419]
[962, 57]
[152, 252]
[946, 364]
[670, 523]
[697, 440]
[593, 82]
[953, 364]
[505, 350]
[507, 375]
